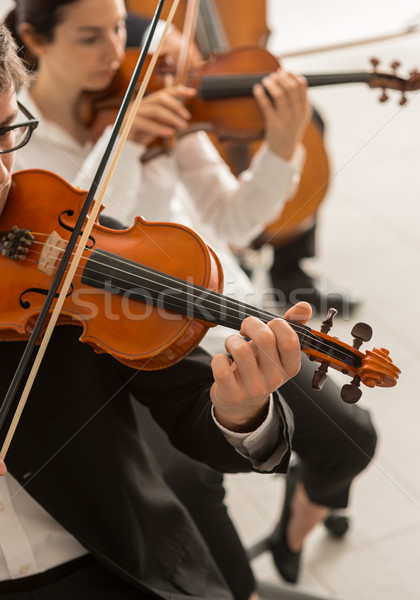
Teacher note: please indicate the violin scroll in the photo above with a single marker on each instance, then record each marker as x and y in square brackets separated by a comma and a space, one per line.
[393, 81]
[374, 368]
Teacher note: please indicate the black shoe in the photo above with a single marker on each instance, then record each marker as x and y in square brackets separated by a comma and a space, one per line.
[297, 285]
[337, 524]
[286, 561]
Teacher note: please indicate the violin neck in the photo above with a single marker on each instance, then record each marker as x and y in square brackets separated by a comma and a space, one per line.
[119, 275]
[138, 282]
[217, 87]
[316, 80]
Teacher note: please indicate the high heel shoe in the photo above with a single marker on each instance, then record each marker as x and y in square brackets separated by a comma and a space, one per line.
[286, 561]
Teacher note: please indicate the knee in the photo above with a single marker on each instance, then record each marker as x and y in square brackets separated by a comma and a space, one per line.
[362, 442]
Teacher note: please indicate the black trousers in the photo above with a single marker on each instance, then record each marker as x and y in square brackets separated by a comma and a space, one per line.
[335, 442]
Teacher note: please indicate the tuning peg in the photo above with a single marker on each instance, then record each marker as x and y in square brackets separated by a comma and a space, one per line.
[403, 99]
[384, 96]
[374, 62]
[394, 66]
[361, 332]
[351, 392]
[328, 323]
[320, 376]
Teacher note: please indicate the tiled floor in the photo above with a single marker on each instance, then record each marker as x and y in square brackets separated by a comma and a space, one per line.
[369, 241]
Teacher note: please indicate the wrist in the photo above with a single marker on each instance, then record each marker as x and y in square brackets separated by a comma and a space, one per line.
[240, 422]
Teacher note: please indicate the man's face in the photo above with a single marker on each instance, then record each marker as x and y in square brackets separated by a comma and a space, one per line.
[8, 113]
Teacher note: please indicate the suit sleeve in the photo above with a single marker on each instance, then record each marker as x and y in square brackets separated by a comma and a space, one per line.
[179, 400]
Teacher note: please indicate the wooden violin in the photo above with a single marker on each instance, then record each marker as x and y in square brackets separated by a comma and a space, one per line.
[137, 297]
[224, 103]
[222, 25]
[225, 107]
[242, 20]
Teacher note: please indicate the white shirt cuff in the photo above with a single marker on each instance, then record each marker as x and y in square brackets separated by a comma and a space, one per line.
[266, 446]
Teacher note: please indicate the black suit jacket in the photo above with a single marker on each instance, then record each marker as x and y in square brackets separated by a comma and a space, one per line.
[78, 452]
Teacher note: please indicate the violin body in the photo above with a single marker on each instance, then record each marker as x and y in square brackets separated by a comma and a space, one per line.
[250, 27]
[137, 334]
[224, 103]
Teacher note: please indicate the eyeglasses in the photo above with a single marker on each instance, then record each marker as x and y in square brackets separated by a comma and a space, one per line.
[16, 136]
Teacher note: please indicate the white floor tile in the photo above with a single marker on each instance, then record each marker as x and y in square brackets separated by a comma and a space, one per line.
[368, 240]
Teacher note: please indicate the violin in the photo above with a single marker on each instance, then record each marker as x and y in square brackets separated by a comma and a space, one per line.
[224, 104]
[137, 297]
[251, 25]
[231, 24]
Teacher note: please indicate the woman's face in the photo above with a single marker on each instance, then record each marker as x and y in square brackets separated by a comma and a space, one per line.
[88, 44]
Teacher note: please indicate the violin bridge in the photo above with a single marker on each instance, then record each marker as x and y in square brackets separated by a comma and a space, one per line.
[51, 254]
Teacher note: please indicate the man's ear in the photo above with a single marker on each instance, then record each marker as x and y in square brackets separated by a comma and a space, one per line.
[33, 41]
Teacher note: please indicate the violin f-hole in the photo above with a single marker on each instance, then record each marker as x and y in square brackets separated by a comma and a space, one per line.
[70, 213]
[25, 304]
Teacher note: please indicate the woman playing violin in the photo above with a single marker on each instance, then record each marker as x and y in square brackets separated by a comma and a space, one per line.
[86, 510]
[79, 45]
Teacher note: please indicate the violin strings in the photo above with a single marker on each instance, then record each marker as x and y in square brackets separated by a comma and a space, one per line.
[213, 299]
[235, 319]
[319, 344]
[234, 322]
[211, 302]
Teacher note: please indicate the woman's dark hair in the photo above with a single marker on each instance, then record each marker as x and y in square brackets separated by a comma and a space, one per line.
[43, 15]
[12, 70]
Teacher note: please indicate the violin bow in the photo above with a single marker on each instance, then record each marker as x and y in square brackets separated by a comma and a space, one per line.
[87, 223]
[353, 43]
[188, 34]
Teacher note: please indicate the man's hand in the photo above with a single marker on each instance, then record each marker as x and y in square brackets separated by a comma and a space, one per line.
[242, 386]
[3, 468]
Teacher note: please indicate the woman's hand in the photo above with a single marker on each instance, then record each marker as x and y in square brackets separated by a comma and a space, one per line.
[283, 100]
[161, 114]
[242, 386]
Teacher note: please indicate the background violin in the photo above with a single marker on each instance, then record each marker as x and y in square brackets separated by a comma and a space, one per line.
[237, 122]
[225, 107]
[223, 25]
[218, 21]
[137, 297]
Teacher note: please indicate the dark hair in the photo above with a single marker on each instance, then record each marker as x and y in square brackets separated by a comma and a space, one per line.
[12, 70]
[43, 15]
